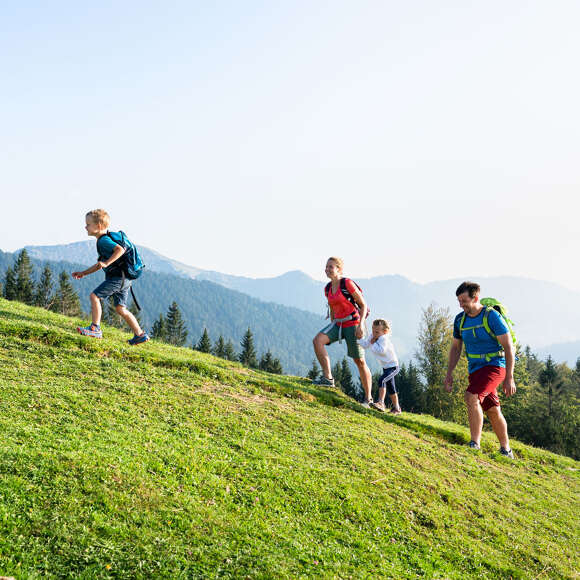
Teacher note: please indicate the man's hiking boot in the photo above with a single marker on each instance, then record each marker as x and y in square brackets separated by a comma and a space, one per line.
[323, 382]
[367, 403]
[91, 330]
[506, 452]
[396, 411]
[474, 445]
[138, 339]
[378, 406]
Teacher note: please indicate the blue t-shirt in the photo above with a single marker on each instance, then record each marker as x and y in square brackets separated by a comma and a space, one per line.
[105, 248]
[481, 342]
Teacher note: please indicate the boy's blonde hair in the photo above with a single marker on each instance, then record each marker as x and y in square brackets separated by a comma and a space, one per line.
[384, 324]
[100, 217]
[338, 261]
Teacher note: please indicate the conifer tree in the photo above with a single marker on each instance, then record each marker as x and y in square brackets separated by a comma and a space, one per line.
[337, 374]
[159, 331]
[266, 362]
[230, 351]
[219, 348]
[10, 284]
[44, 290]
[276, 367]
[551, 382]
[176, 329]
[314, 371]
[248, 355]
[24, 282]
[346, 382]
[66, 300]
[204, 343]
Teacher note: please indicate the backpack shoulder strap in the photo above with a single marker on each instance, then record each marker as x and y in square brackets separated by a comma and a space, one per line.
[461, 323]
[327, 289]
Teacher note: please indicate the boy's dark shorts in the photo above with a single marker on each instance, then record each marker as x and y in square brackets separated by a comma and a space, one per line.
[354, 349]
[118, 288]
[484, 383]
[387, 380]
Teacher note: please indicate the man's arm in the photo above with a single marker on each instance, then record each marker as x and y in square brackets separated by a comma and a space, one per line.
[454, 355]
[509, 385]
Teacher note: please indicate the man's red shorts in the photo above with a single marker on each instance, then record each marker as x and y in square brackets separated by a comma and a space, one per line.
[484, 383]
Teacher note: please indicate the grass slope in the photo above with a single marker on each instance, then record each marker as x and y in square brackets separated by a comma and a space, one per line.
[158, 462]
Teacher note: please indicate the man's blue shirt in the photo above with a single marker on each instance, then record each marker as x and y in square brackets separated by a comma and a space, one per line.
[479, 341]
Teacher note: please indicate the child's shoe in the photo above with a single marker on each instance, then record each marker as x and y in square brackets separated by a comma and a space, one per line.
[138, 339]
[92, 330]
[379, 406]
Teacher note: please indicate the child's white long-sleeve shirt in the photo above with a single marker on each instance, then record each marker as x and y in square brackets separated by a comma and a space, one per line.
[383, 349]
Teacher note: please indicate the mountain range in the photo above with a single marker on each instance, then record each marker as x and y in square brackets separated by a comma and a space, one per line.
[540, 310]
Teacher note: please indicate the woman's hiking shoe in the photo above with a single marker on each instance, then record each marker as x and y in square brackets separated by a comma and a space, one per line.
[91, 330]
[474, 445]
[506, 452]
[323, 382]
[138, 339]
[378, 406]
[396, 411]
[367, 403]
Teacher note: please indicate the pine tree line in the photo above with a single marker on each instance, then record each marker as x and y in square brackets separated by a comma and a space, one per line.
[172, 329]
[58, 296]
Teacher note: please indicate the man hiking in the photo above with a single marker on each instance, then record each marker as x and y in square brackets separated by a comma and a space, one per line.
[490, 353]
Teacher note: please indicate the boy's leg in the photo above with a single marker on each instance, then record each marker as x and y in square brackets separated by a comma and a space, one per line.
[96, 309]
[382, 393]
[128, 317]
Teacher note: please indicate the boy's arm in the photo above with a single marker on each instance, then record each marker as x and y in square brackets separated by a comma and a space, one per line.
[117, 253]
[365, 342]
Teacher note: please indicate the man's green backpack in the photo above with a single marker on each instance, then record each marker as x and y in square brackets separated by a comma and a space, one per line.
[491, 304]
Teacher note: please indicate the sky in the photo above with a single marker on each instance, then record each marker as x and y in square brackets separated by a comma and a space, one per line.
[428, 139]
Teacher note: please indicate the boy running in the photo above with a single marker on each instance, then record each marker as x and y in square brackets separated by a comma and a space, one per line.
[116, 284]
[381, 346]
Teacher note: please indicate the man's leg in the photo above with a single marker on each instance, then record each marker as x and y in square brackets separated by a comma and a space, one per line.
[365, 376]
[475, 416]
[320, 341]
[499, 426]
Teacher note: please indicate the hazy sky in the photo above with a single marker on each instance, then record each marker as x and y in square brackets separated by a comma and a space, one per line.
[428, 139]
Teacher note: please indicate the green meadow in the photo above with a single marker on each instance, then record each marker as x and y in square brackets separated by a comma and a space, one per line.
[163, 462]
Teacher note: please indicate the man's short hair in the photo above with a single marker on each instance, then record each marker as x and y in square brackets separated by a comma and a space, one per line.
[472, 288]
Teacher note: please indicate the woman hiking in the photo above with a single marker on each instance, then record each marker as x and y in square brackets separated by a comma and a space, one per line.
[348, 311]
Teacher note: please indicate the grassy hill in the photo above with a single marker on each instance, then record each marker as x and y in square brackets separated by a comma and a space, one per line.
[159, 462]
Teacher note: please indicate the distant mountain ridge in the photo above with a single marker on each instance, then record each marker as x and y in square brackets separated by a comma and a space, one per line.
[539, 309]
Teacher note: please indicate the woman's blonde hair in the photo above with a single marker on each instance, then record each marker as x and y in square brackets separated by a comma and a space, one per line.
[100, 217]
[338, 261]
[382, 323]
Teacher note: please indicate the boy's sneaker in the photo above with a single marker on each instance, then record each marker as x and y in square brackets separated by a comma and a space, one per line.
[474, 445]
[92, 330]
[367, 403]
[138, 339]
[396, 411]
[506, 452]
[323, 382]
[378, 406]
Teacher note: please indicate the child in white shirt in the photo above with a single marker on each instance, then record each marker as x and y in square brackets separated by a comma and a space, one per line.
[380, 345]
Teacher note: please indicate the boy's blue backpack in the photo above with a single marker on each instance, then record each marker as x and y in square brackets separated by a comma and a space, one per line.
[131, 262]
